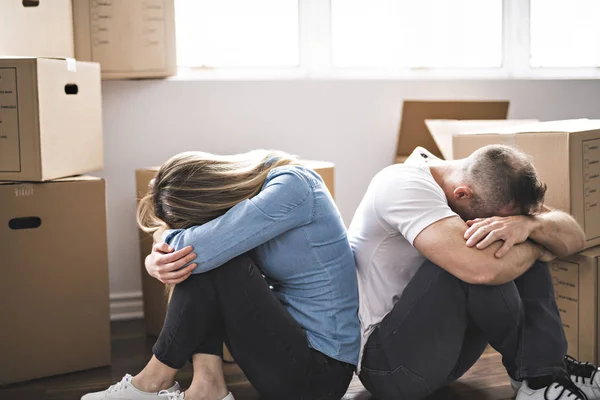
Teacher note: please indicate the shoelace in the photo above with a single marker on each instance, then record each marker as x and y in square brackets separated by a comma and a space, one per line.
[119, 385]
[580, 370]
[568, 388]
[177, 395]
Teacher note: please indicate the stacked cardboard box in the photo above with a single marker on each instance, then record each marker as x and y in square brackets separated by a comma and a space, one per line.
[155, 301]
[576, 282]
[566, 155]
[55, 302]
[130, 39]
[36, 28]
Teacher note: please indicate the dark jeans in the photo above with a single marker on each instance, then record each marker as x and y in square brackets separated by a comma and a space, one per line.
[440, 326]
[233, 303]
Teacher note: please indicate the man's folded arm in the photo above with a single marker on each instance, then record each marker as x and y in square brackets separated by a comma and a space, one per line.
[443, 243]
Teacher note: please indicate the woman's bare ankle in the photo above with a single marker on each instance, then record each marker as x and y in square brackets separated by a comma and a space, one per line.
[150, 384]
[155, 377]
[206, 390]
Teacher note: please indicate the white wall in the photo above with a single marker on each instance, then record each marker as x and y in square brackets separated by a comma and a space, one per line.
[352, 123]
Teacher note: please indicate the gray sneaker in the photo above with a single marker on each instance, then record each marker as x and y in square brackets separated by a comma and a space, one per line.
[124, 390]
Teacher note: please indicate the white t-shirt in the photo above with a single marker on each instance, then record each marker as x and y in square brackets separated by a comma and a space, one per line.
[401, 201]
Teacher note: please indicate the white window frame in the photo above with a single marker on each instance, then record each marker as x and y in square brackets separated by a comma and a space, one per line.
[316, 61]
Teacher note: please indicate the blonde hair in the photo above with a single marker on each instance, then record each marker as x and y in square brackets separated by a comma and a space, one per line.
[193, 188]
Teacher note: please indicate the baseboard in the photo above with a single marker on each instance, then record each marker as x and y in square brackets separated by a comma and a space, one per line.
[126, 306]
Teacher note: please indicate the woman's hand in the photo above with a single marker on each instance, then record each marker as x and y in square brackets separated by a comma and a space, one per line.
[167, 266]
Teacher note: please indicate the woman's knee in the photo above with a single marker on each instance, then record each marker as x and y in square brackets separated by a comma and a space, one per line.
[239, 267]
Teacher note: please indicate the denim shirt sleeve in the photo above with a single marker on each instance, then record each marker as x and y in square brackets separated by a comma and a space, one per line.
[285, 202]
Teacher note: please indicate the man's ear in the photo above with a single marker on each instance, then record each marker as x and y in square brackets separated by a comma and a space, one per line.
[463, 193]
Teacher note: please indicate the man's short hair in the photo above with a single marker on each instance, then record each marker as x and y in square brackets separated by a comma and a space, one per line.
[501, 177]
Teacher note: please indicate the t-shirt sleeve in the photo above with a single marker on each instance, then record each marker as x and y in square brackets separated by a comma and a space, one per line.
[409, 200]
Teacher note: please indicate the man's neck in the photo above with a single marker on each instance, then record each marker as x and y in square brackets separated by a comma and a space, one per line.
[446, 174]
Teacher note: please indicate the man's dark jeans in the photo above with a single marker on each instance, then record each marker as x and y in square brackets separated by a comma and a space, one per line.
[440, 326]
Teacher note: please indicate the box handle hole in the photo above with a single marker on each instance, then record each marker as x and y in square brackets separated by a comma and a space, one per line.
[71, 88]
[25, 223]
[31, 3]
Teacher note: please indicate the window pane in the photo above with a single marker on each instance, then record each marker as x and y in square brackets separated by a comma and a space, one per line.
[565, 33]
[237, 33]
[417, 33]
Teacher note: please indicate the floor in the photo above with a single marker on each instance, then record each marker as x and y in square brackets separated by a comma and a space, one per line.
[131, 349]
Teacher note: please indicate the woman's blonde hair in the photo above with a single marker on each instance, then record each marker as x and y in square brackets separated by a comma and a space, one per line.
[193, 188]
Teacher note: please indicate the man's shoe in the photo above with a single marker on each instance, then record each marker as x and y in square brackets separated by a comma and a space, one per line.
[562, 389]
[124, 390]
[585, 376]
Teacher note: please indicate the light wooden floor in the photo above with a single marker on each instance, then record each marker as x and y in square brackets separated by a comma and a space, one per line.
[131, 350]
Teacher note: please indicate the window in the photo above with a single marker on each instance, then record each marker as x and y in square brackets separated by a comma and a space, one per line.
[237, 33]
[389, 38]
[565, 33]
[423, 33]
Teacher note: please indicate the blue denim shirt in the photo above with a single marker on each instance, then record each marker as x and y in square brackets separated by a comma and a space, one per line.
[301, 248]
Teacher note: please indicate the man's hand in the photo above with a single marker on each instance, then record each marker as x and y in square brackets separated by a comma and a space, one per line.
[547, 255]
[512, 230]
[167, 266]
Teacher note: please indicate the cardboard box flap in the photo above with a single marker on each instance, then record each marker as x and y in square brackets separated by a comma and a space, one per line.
[78, 178]
[414, 132]
[442, 129]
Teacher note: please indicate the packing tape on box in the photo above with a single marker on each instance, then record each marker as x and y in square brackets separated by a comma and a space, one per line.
[71, 64]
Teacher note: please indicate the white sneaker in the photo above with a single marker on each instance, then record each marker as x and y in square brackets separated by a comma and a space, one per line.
[585, 376]
[124, 390]
[515, 384]
[181, 396]
[556, 391]
[177, 395]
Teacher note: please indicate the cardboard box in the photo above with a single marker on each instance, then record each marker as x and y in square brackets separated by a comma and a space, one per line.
[50, 118]
[155, 301]
[442, 130]
[576, 289]
[414, 132]
[130, 39]
[54, 284]
[566, 155]
[36, 28]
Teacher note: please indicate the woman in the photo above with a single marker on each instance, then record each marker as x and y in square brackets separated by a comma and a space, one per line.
[272, 275]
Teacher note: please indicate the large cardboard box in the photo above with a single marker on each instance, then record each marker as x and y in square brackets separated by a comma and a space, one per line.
[54, 278]
[413, 131]
[50, 118]
[566, 155]
[155, 301]
[576, 290]
[36, 28]
[130, 39]
[442, 130]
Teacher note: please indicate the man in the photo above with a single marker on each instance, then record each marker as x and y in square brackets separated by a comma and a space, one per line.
[450, 257]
